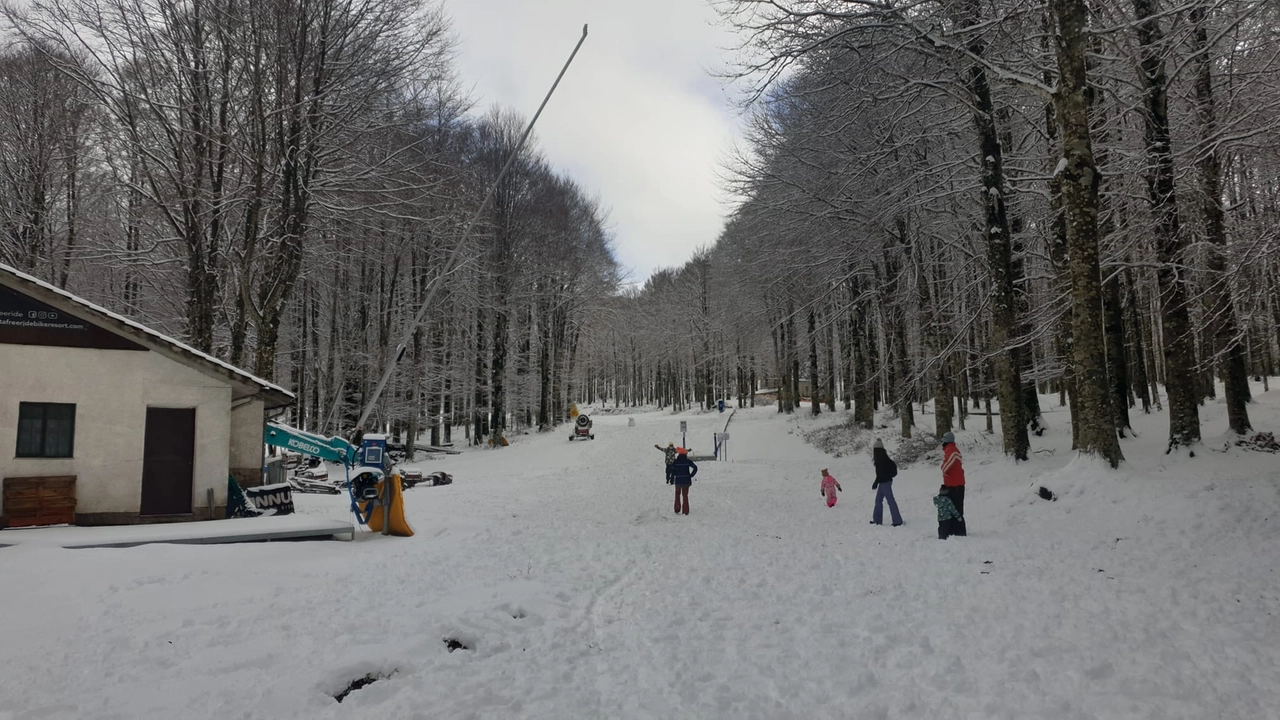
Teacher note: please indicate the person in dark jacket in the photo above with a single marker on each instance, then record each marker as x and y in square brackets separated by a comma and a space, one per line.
[680, 473]
[886, 471]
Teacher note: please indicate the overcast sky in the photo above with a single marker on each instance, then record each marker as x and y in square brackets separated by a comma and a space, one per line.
[637, 121]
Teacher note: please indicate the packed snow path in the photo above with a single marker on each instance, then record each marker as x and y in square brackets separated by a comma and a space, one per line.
[579, 594]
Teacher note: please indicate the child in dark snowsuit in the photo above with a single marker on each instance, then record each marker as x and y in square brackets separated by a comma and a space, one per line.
[950, 521]
[886, 471]
[669, 452]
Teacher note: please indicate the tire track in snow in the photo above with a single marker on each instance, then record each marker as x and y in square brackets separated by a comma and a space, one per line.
[593, 620]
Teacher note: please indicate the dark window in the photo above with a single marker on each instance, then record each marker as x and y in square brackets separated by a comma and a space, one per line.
[46, 430]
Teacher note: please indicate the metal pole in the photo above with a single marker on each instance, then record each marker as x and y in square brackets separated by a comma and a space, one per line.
[457, 250]
[386, 505]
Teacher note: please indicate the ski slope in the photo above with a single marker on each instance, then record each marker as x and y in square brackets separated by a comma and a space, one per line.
[1150, 592]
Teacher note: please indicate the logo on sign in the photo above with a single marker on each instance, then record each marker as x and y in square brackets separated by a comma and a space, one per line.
[271, 499]
[42, 315]
[304, 446]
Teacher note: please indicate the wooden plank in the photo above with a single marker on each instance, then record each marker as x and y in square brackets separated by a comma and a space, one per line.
[34, 501]
[33, 494]
[58, 498]
[39, 480]
[23, 494]
[54, 493]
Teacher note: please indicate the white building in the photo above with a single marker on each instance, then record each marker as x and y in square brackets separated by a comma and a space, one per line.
[104, 421]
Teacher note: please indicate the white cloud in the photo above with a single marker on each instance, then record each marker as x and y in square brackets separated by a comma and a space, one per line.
[637, 121]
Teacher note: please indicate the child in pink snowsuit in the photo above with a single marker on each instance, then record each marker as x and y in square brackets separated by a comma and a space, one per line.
[829, 488]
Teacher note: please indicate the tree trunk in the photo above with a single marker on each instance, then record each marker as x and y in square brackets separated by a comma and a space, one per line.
[864, 399]
[831, 366]
[1137, 356]
[1181, 377]
[544, 375]
[793, 359]
[815, 387]
[1222, 314]
[497, 382]
[779, 335]
[1079, 183]
[942, 418]
[480, 404]
[73, 205]
[996, 230]
[906, 386]
[446, 396]
[846, 359]
[1117, 362]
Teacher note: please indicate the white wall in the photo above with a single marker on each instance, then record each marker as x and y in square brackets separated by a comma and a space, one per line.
[111, 390]
[246, 435]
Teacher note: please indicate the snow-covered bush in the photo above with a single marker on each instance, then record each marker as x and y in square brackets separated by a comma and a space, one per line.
[839, 440]
[847, 438]
[1263, 442]
[914, 449]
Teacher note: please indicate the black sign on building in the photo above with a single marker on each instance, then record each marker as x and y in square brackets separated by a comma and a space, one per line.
[27, 321]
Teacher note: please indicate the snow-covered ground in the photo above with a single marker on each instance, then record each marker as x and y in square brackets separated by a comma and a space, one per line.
[1151, 592]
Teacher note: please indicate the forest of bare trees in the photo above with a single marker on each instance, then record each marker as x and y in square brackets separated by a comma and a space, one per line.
[945, 204]
[948, 207]
[277, 184]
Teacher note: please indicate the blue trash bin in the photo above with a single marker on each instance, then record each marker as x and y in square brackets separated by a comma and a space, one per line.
[721, 405]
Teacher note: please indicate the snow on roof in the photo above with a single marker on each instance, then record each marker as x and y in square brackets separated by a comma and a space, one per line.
[161, 337]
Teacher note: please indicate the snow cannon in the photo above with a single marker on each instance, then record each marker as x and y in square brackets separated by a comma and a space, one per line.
[373, 486]
[364, 486]
[370, 489]
[582, 429]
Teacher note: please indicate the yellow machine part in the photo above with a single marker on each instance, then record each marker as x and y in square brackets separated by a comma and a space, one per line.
[573, 410]
[399, 526]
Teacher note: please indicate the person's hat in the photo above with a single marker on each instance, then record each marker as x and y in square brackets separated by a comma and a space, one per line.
[948, 438]
[681, 451]
[824, 471]
[671, 444]
[877, 444]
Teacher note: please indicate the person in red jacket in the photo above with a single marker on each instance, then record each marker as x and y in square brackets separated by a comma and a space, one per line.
[953, 477]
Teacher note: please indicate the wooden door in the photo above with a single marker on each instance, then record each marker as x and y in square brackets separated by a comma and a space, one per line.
[32, 501]
[168, 461]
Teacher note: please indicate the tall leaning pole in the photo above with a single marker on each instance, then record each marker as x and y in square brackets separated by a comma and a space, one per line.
[452, 260]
